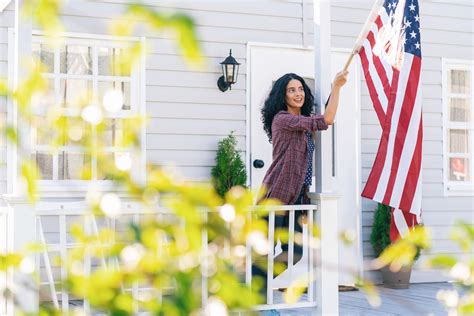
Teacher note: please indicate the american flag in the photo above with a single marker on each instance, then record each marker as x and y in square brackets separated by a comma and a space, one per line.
[391, 61]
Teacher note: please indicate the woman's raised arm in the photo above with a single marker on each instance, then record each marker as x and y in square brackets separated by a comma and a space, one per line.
[331, 109]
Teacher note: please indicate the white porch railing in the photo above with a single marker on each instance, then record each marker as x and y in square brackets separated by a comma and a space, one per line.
[3, 248]
[303, 270]
[53, 220]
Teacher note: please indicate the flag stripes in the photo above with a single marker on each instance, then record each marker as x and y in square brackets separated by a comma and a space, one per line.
[391, 62]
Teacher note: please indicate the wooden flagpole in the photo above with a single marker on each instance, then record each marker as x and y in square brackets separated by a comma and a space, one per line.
[364, 32]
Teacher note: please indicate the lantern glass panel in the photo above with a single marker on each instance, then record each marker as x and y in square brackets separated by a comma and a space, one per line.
[224, 71]
[229, 73]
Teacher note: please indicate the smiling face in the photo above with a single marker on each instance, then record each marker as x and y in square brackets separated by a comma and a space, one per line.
[294, 96]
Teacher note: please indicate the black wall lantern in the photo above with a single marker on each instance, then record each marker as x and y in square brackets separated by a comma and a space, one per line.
[230, 69]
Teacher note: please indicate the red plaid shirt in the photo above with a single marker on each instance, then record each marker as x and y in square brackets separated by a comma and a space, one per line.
[285, 177]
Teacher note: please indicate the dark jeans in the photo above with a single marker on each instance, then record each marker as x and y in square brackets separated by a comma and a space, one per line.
[283, 222]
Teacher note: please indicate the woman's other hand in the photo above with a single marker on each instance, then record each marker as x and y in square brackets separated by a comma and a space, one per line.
[340, 79]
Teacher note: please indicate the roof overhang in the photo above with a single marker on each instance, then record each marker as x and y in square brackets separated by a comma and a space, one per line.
[3, 4]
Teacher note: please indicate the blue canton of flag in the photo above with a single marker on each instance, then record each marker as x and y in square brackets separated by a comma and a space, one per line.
[411, 23]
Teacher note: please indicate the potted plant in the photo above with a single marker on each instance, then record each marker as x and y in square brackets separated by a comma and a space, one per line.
[380, 239]
[230, 169]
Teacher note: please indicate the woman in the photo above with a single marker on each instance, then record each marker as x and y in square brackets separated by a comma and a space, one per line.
[289, 123]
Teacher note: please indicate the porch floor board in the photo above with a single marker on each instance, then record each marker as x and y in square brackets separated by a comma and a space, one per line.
[419, 299]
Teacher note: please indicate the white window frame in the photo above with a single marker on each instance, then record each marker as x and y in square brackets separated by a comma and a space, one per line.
[455, 188]
[138, 107]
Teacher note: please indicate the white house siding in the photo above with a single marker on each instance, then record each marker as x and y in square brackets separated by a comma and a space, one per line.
[6, 21]
[446, 32]
[188, 114]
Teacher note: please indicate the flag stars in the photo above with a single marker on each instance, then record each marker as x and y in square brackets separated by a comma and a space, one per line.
[417, 18]
[412, 7]
[413, 34]
[417, 45]
[407, 24]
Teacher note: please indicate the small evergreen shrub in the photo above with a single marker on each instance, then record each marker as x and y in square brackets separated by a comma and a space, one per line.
[380, 235]
[229, 170]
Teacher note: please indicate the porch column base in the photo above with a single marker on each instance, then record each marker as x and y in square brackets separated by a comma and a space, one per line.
[327, 261]
[21, 219]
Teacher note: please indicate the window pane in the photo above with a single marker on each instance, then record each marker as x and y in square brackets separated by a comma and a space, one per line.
[44, 161]
[123, 87]
[106, 164]
[112, 132]
[111, 62]
[459, 169]
[41, 101]
[76, 60]
[73, 166]
[74, 92]
[458, 141]
[44, 54]
[460, 81]
[460, 110]
[41, 132]
[75, 131]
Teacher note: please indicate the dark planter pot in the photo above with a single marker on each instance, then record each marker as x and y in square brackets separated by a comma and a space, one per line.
[396, 280]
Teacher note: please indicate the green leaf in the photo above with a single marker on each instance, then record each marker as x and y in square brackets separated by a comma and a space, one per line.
[30, 173]
[9, 260]
[442, 261]
[3, 87]
[11, 134]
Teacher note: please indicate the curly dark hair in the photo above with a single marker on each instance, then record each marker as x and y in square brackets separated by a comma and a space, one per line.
[275, 101]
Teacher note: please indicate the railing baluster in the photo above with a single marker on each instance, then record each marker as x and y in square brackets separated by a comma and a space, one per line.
[291, 243]
[248, 257]
[204, 263]
[311, 255]
[135, 287]
[47, 263]
[63, 254]
[271, 247]
[159, 218]
[87, 257]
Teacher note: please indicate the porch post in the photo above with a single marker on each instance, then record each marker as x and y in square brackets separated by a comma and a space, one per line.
[22, 52]
[21, 227]
[326, 196]
[21, 233]
[326, 255]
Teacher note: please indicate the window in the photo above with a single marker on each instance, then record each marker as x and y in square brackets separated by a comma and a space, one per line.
[81, 72]
[458, 113]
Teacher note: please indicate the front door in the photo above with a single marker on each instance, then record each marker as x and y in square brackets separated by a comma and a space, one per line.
[267, 64]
